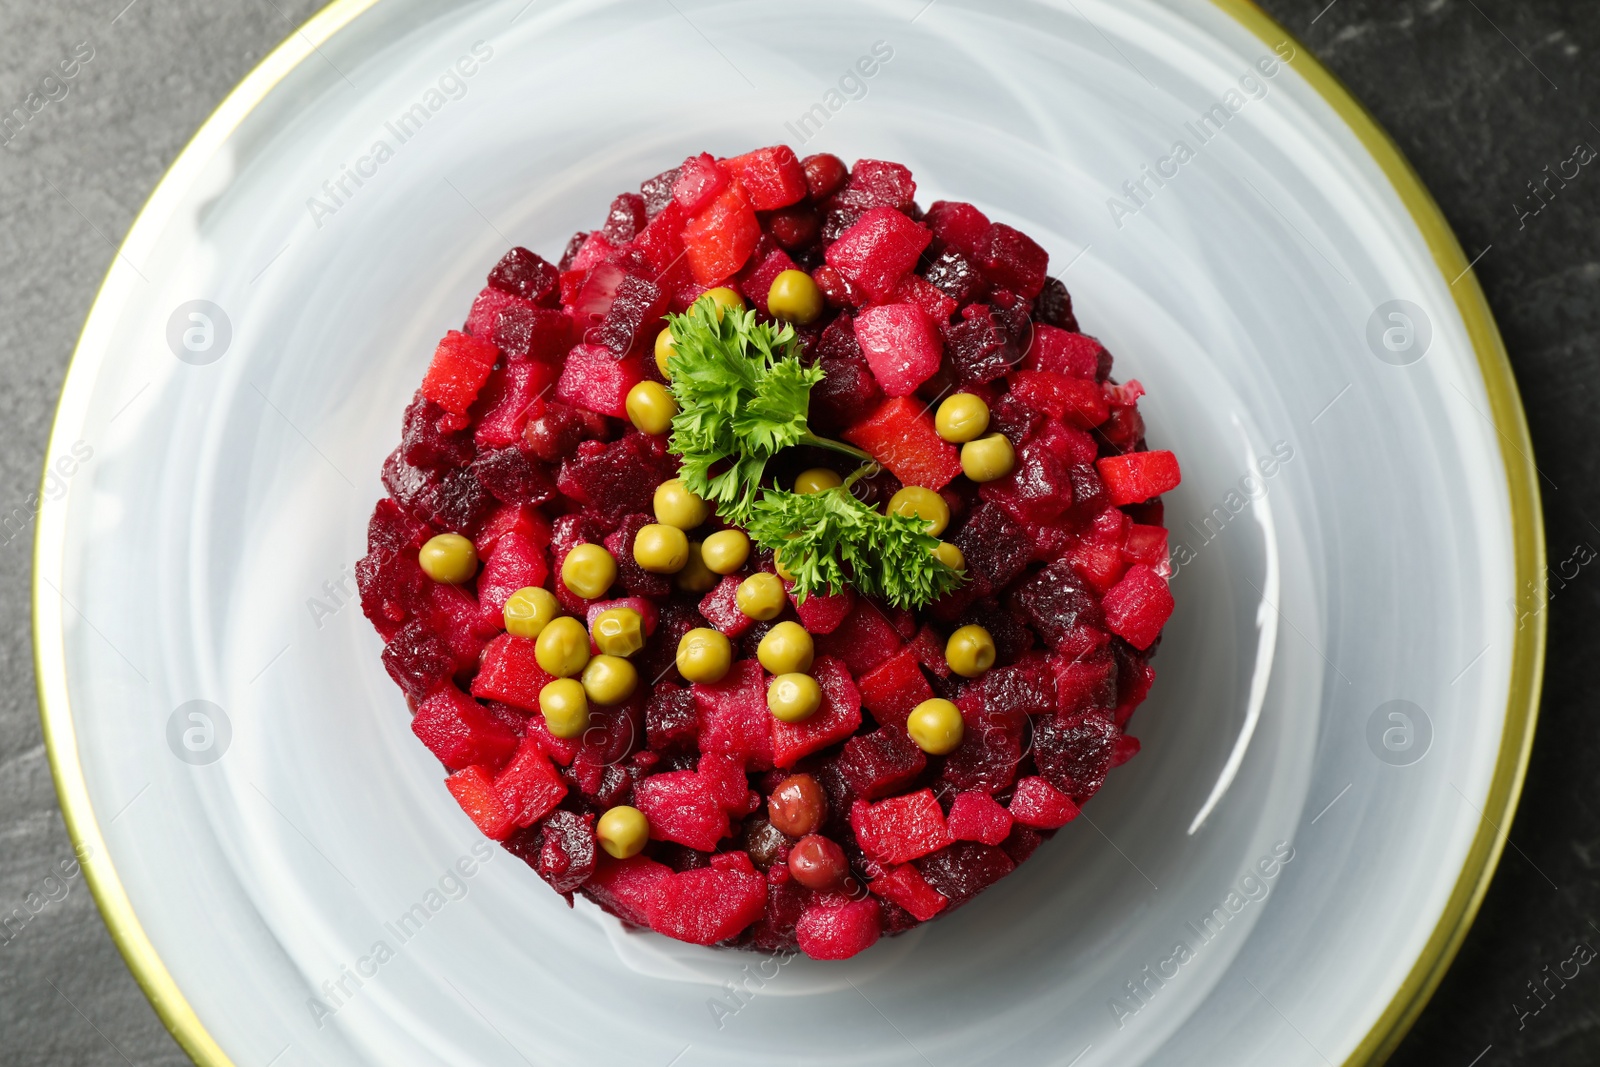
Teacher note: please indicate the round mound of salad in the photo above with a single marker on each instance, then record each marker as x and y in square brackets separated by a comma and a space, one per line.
[780, 567]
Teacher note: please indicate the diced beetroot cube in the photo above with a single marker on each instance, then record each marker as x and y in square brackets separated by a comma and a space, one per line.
[424, 444]
[661, 244]
[935, 304]
[720, 237]
[709, 905]
[959, 224]
[900, 829]
[989, 753]
[900, 345]
[839, 931]
[1127, 748]
[957, 278]
[455, 616]
[896, 686]
[734, 719]
[1056, 600]
[514, 564]
[881, 246]
[901, 436]
[1037, 491]
[617, 477]
[929, 649]
[681, 808]
[592, 379]
[698, 183]
[879, 183]
[837, 718]
[965, 869]
[1080, 402]
[1146, 544]
[1070, 445]
[1139, 605]
[849, 393]
[906, 887]
[554, 429]
[863, 639]
[772, 176]
[595, 249]
[1084, 682]
[594, 297]
[632, 889]
[1109, 528]
[880, 763]
[1073, 752]
[460, 732]
[759, 284]
[977, 816]
[524, 520]
[1138, 476]
[1039, 804]
[506, 400]
[526, 274]
[418, 659]
[670, 718]
[980, 347]
[995, 548]
[1027, 687]
[566, 850]
[487, 308]
[474, 790]
[1099, 565]
[724, 776]
[722, 610]
[461, 364]
[530, 787]
[821, 613]
[1062, 352]
[510, 674]
[626, 218]
[1014, 260]
[635, 314]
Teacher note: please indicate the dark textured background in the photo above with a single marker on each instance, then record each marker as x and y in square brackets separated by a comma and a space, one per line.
[1481, 95]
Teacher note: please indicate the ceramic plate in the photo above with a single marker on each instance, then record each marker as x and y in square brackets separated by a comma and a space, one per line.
[1344, 696]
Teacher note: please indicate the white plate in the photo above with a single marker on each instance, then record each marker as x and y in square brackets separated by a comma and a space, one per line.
[1391, 554]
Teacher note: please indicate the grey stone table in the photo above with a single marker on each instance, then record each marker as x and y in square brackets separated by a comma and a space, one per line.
[1482, 95]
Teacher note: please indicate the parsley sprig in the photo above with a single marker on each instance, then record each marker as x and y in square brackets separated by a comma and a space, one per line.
[742, 396]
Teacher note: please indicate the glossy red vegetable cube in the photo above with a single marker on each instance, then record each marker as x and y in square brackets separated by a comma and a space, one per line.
[1147, 544]
[863, 639]
[837, 718]
[900, 345]
[461, 364]
[966, 869]
[1014, 260]
[526, 274]
[631, 889]
[901, 436]
[1074, 752]
[514, 563]
[594, 380]
[487, 308]
[1039, 804]
[418, 659]
[506, 400]
[759, 284]
[1099, 565]
[1062, 352]
[698, 182]
[720, 237]
[977, 816]
[1138, 476]
[724, 776]
[900, 829]
[566, 850]
[510, 674]
[821, 613]
[710, 904]
[721, 609]
[681, 807]
[934, 302]
[634, 315]
[828, 931]
[1080, 402]
[896, 686]
[877, 764]
[906, 887]
[882, 245]
[1138, 606]
[539, 334]
[474, 790]
[734, 719]
[959, 224]
[772, 176]
[530, 787]
[460, 732]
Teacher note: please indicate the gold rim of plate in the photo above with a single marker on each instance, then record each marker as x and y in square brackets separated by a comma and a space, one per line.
[1526, 520]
